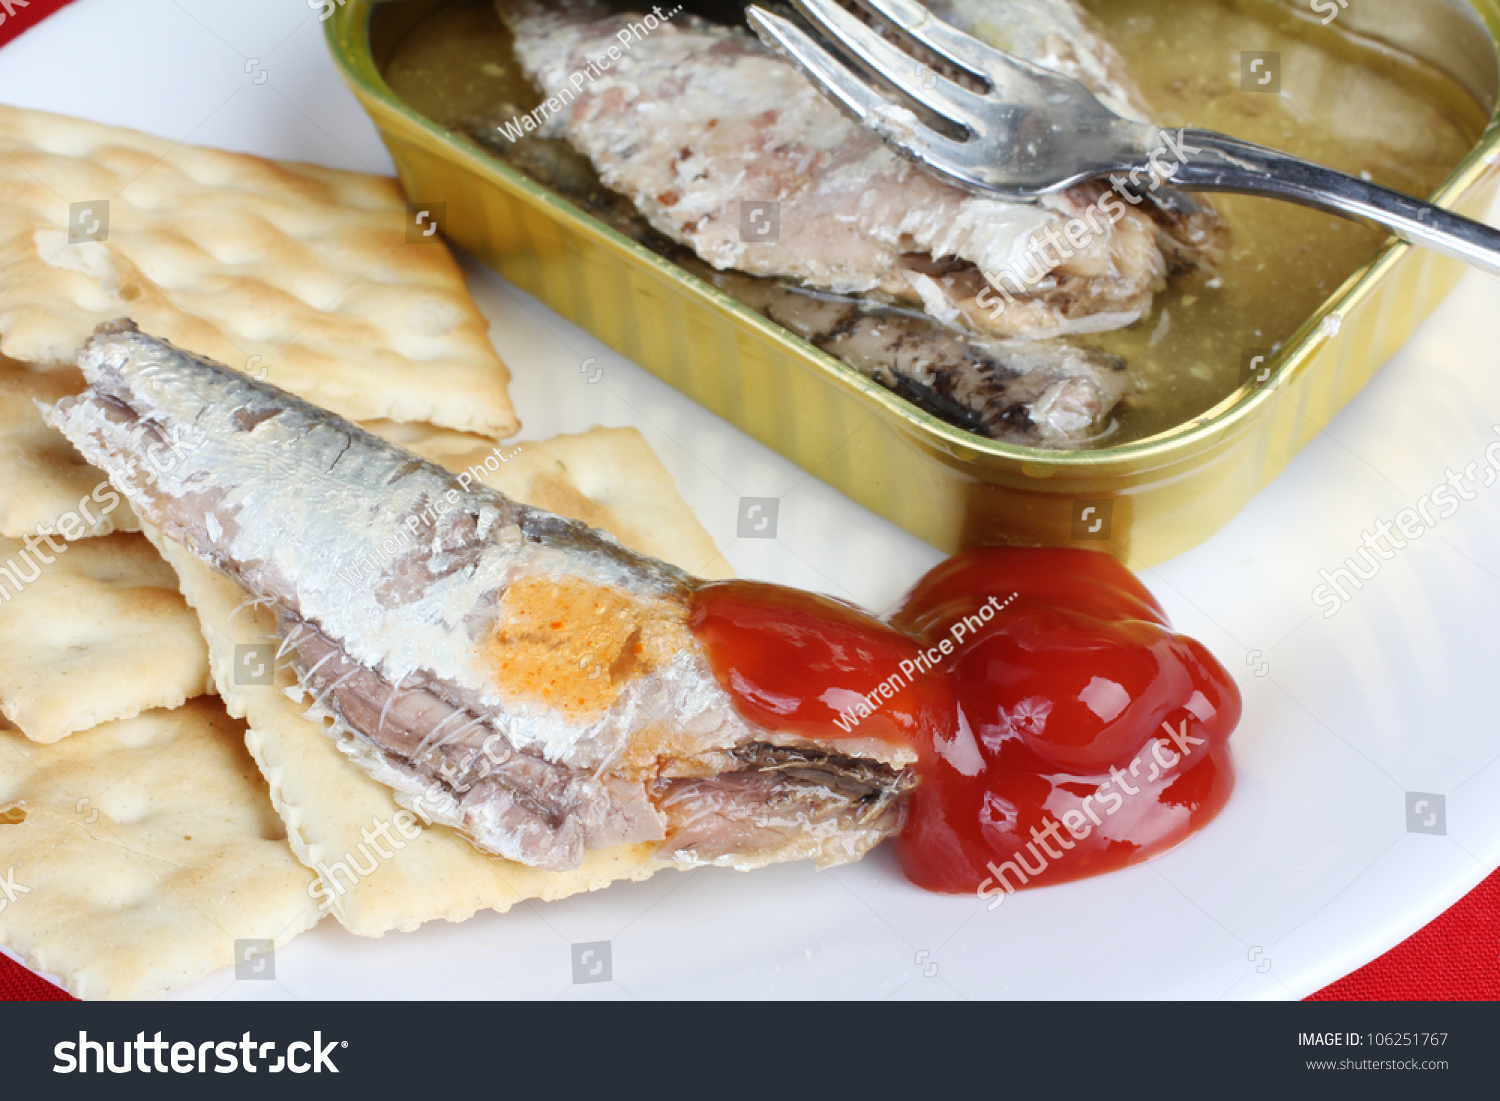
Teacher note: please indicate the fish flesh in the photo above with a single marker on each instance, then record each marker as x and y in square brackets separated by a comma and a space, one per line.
[512, 674]
[711, 136]
[1044, 393]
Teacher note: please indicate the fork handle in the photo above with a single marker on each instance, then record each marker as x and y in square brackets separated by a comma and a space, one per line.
[1211, 161]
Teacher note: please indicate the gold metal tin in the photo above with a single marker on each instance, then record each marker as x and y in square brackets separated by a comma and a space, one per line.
[1149, 500]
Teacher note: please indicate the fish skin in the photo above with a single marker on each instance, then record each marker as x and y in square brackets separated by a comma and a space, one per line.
[1046, 393]
[442, 621]
[696, 119]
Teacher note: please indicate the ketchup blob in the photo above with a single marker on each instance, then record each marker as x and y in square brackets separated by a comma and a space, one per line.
[1062, 728]
[812, 665]
[1090, 736]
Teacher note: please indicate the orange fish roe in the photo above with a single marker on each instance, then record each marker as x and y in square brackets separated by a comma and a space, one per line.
[574, 645]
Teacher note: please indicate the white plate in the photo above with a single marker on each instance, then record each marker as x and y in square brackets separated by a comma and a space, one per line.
[1310, 871]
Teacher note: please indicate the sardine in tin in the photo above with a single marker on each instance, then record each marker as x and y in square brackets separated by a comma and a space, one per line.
[1144, 502]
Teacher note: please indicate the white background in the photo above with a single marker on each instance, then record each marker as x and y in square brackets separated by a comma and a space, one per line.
[1310, 867]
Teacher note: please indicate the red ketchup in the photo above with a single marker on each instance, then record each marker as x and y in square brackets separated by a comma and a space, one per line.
[1062, 728]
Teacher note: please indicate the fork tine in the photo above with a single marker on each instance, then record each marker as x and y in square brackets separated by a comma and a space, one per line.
[910, 138]
[1015, 79]
[913, 19]
[889, 64]
[826, 71]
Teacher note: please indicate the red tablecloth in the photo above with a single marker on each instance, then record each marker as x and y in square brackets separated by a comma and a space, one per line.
[1456, 957]
[17, 15]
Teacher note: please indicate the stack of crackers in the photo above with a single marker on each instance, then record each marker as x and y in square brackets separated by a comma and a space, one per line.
[158, 802]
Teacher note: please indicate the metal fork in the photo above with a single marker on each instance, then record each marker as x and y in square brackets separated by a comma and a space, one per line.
[1037, 131]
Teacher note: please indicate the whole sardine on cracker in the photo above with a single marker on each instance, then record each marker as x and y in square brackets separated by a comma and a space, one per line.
[520, 677]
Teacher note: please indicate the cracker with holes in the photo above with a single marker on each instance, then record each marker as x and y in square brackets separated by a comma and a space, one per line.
[43, 479]
[139, 853]
[339, 819]
[92, 631]
[303, 275]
